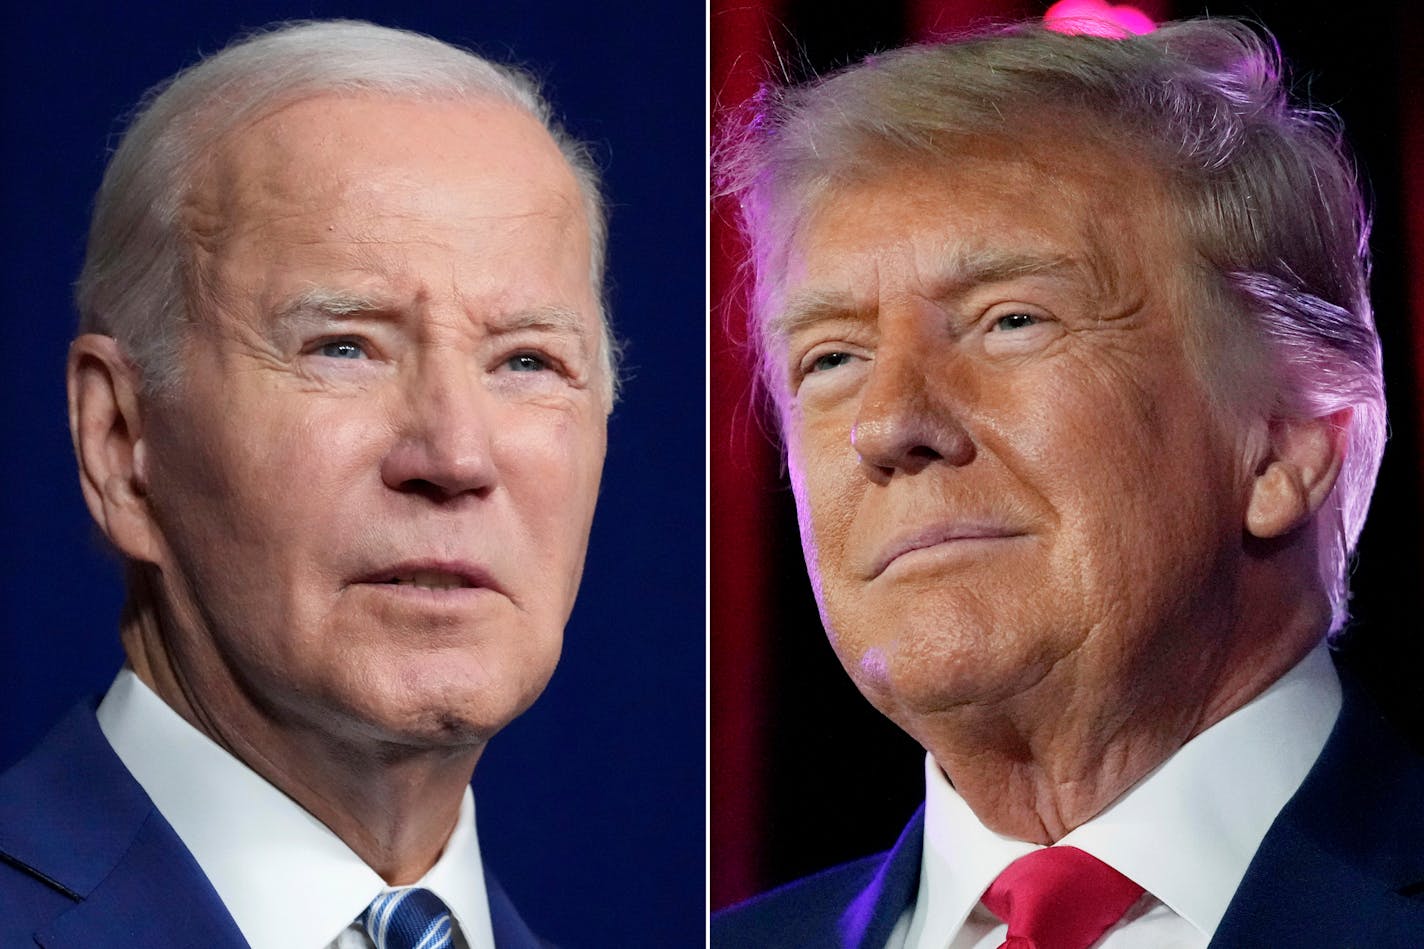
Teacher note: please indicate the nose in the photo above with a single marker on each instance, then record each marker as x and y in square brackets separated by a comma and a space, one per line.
[444, 447]
[911, 412]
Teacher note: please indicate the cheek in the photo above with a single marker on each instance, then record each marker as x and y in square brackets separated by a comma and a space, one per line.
[808, 476]
[301, 469]
[551, 463]
[1140, 474]
[1105, 425]
[554, 455]
[827, 485]
[254, 490]
[1159, 447]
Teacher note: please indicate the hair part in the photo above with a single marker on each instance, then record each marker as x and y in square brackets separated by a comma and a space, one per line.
[1263, 188]
[137, 284]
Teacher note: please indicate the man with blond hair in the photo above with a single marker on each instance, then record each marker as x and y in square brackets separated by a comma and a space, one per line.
[1070, 342]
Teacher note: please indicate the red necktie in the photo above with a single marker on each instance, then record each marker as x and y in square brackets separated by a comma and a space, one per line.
[1059, 898]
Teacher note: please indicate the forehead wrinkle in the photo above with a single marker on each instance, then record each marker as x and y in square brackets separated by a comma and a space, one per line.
[1112, 264]
[966, 267]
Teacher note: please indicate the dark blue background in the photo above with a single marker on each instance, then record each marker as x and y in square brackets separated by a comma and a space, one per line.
[591, 805]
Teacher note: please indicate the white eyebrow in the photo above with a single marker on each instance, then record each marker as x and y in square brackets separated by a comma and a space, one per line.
[322, 300]
[556, 319]
[318, 302]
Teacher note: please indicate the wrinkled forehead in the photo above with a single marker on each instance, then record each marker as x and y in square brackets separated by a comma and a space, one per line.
[990, 206]
[467, 200]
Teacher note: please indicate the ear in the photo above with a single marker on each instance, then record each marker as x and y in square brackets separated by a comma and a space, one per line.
[1291, 483]
[106, 424]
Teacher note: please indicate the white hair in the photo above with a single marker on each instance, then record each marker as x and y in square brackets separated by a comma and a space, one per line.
[1263, 188]
[135, 285]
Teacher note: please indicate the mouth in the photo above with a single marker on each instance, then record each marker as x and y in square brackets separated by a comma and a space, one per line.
[965, 538]
[435, 577]
[429, 580]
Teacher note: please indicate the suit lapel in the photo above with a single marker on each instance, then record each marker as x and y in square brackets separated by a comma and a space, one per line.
[1343, 863]
[155, 890]
[75, 819]
[510, 931]
[69, 809]
[868, 921]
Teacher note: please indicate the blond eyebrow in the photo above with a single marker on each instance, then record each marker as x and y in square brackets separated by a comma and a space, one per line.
[961, 271]
[809, 307]
[971, 268]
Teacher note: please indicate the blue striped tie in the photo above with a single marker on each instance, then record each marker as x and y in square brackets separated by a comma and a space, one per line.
[408, 919]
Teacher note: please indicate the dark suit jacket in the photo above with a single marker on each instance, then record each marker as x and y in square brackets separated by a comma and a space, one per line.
[1342, 865]
[87, 862]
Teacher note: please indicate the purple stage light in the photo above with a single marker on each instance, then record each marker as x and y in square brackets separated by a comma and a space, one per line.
[1097, 18]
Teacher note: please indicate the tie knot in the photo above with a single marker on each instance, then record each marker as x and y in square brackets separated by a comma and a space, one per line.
[412, 918]
[1059, 898]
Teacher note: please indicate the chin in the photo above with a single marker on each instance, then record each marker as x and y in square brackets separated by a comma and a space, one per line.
[942, 662]
[455, 728]
[436, 724]
[439, 709]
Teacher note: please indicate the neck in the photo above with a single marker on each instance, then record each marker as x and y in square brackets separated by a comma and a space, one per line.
[1037, 765]
[393, 804]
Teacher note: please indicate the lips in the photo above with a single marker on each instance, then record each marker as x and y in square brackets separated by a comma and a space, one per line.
[431, 580]
[949, 533]
[439, 576]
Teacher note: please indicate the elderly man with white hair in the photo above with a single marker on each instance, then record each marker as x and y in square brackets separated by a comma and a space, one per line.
[339, 400]
[1070, 342]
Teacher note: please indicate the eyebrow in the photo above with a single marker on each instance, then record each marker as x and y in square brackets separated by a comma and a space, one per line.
[976, 267]
[958, 272]
[320, 301]
[809, 307]
[325, 302]
[555, 319]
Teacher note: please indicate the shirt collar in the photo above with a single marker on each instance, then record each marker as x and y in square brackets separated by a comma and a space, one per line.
[1186, 832]
[286, 879]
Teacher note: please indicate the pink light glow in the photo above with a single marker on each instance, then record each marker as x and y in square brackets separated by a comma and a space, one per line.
[1097, 18]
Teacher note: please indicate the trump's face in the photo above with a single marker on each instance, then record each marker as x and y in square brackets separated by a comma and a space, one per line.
[372, 486]
[1005, 465]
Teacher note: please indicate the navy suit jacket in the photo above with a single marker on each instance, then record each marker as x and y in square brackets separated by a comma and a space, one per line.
[1341, 866]
[87, 862]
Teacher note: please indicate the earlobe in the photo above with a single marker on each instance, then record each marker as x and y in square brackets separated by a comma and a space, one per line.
[106, 425]
[1293, 481]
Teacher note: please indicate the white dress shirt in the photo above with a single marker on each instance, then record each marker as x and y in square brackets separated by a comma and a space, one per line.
[1185, 832]
[286, 879]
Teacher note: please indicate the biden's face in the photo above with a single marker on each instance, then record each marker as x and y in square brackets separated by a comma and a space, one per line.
[1005, 464]
[373, 483]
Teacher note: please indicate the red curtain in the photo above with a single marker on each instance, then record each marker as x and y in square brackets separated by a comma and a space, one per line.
[742, 467]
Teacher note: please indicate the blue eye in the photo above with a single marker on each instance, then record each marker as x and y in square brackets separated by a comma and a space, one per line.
[527, 362]
[829, 361]
[342, 349]
[1015, 321]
